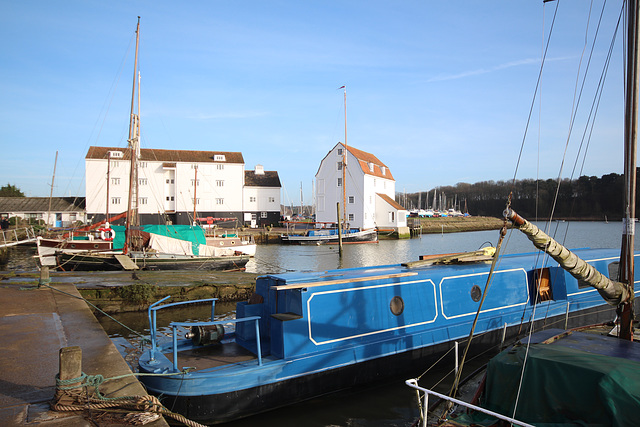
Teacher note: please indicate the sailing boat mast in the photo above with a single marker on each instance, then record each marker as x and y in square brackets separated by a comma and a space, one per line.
[344, 162]
[626, 272]
[134, 150]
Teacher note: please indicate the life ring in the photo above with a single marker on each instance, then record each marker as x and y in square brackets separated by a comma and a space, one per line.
[107, 234]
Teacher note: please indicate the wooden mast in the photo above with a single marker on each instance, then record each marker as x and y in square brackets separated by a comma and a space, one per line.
[626, 273]
[134, 144]
[344, 162]
[55, 164]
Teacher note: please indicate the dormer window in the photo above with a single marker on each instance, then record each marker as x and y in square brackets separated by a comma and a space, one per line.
[384, 170]
[219, 158]
[370, 167]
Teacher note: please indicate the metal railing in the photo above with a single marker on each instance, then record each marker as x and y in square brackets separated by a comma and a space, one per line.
[153, 308]
[17, 236]
[413, 383]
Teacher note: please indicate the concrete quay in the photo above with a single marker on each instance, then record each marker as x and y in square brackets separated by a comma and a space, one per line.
[35, 323]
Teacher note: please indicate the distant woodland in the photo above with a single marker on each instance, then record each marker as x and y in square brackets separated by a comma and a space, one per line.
[587, 197]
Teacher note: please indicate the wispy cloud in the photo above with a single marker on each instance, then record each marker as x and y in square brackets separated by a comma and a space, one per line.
[479, 71]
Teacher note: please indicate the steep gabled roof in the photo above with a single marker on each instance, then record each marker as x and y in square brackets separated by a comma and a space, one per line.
[41, 204]
[365, 159]
[390, 201]
[152, 154]
[268, 179]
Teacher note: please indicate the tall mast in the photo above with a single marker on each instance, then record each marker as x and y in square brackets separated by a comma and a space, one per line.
[344, 162]
[53, 178]
[195, 200]
[134, 150]
[627, 273]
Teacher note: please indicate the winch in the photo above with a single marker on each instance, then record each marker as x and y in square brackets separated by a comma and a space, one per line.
[204, 335]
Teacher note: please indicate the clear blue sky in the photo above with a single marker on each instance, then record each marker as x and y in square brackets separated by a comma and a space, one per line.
[440, 91]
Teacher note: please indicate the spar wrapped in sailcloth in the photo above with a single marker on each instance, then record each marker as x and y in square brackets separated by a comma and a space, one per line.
[613, 292]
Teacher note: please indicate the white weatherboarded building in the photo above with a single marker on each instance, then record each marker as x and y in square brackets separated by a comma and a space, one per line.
[369, 191]
[173, 185]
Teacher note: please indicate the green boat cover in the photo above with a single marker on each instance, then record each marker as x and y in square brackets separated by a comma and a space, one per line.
[195, 235]
[561, 386]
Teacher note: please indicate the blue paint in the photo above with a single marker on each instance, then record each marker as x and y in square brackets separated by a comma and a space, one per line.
[321, 321]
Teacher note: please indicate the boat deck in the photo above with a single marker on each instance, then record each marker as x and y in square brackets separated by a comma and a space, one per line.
[212, 356]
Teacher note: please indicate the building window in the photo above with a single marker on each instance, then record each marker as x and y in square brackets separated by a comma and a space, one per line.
[115, 200]
[339, 182]
[197, 200]
[142, 164]
[384, 170]
[143, 181]
[392, 216]
[170, 181]
[194, 166]
[219, 201]
[115, 163]
[352, 199]
[375, 182]
[143, 200]
[252, 199]
[384, 184]
[370, 199]
[219, 158]
[272, 199]
[263, 215]
[220, 167]
[351, 217]
[169, 198]
[196, 182]
[370, 167]
[219, 183]
[115, 181]
[339, 151]
[339, 166]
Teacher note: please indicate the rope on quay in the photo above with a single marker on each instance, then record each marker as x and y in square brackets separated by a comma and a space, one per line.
[73, 395]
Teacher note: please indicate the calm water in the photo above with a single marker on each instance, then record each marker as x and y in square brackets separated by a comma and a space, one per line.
[392, 404]
[280, 258]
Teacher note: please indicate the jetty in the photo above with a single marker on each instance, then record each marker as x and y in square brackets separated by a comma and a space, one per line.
[38, 325]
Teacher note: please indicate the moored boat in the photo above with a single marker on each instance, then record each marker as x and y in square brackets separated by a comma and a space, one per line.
[330, 236]
[306, 334]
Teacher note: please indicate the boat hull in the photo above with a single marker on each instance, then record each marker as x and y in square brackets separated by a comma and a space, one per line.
[326, 331]
[108, 262]
[241, 403]
[364, 236]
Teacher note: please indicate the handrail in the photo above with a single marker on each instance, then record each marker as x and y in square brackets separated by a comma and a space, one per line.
[413, 383]
[174, 327]
[14, 239]
[153, 319]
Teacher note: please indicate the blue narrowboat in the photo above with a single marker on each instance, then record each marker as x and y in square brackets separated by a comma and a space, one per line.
[302, 335]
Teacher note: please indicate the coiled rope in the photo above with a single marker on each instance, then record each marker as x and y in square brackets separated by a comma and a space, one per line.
[71, 390]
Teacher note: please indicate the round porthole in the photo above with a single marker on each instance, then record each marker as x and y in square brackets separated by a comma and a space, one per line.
[476, 293]
[397, 305]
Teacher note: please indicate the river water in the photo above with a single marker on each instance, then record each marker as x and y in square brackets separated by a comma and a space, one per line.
[391, 404]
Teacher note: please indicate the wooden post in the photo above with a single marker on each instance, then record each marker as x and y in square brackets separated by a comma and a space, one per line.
[70, 367]
[44, 276]
[339, 231]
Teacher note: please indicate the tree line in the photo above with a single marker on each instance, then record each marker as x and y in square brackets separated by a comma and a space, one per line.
[587, 197]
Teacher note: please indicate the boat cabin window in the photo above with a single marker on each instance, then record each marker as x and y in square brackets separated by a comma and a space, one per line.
[542, 283]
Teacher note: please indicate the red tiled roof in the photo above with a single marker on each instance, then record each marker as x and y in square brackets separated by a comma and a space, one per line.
[152, 154]
[365, 159]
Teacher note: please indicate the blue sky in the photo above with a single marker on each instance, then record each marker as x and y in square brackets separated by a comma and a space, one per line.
[440, 91]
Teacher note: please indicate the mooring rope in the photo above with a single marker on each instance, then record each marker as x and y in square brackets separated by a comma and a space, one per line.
[145, 403]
